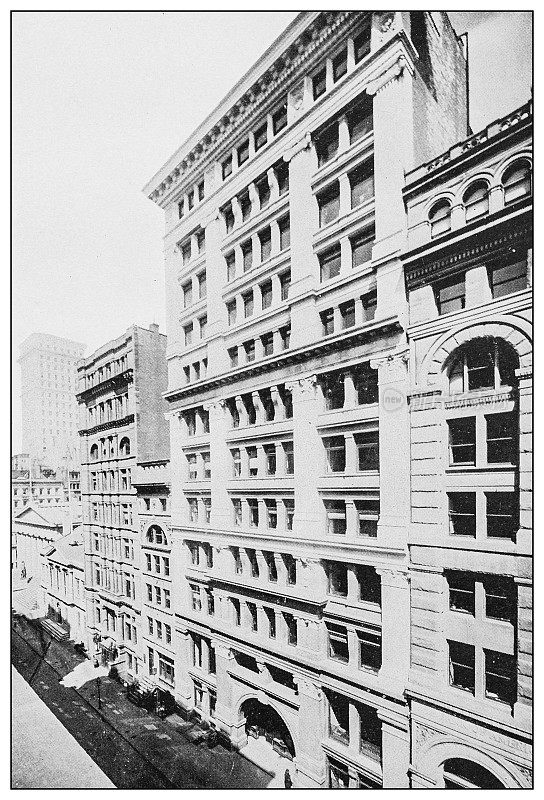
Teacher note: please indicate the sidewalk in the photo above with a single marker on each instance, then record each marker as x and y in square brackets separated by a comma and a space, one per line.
[166, 744]
[37, 739]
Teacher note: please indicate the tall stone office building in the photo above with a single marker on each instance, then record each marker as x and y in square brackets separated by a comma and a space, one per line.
[122, 422]
[49, 407]
[290, 383]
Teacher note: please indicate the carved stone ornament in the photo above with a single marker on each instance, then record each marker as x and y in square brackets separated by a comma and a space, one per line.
[422, 734]
[309, 688]
[304, 386]
[386, 21]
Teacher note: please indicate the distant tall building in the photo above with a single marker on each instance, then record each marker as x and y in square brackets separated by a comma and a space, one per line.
[49, 406]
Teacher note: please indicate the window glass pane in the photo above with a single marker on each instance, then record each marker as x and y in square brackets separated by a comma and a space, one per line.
[508, 279]
[362, 184]
[462, 513]
[327, 144]
[462, 436]
[361, 248]
[501, 438]
[330, 264]
[340, 65]
[461, 591]
[462, 666]
[500, 676]
[329, 205]
[501, 513]
[319, 83]
[279, 118]
[450, 295]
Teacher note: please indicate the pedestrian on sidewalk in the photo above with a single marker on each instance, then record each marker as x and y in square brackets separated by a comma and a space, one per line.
[287, 780]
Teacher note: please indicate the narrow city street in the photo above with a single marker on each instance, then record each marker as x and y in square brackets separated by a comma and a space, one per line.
[134, 748]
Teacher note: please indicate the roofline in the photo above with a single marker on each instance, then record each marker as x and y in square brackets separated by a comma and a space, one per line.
[264, 62]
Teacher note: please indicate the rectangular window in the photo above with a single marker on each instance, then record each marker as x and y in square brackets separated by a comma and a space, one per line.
[210, 601]
[206, 466]
[271, 616]
[292, 629]
[245, 205]
[462, 513]
[500, 598]
[361, 182]
[191, 200]
[335, 448]
[231, 312]
[200, 189]
[202, 324]
[501, 438]
[462, 666]
[319, 83]
[253, 513]
[180, 209]
[159, 630]
[285, 283]
[263, 190]
[248, 304]
[271, 565]
[282, 177]
[347, 314]
[270, 455]
[148, 560]
[149, 592]
[249, 348]
[450, 295]
[271, 514]
[507, 279]
[243, 152]
[338, 643]
[158, 595]
[461, 587]
[236, 463]
[336, 517]
[228, 216]
[187, 294]
[338, 717]
[226, 167]
[252, 608]
[340, 65]
[501, 515]
[265, 239]
[285, 232]
[237, 508]
[361, 44]
[266, 294]
[368, 451]
[327, 321]
[289, 458]
[327, 144]
[201, 242]
[267, 341]
[261, 136]
[166, 565]
[500, 676]
[236, 610]
[188, 334]
[370, 584]
[186, 252]
[368, 512]
[337, 579]
[196, 604]
[361, 248]
[462, 440]
[290, 513]
[166, 598]
[247, 255]
[202, 288]
[291, 569]
[370, 648]
[279, 118]
[329, 263]
[193, 510]
[230, 261]
[192, 466]
[329, 205]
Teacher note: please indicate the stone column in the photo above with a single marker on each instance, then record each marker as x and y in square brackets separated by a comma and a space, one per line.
[394, 438]
[395, 627]
[304, 272]
[395, 750]
[311, 763]
[423, 304]
[345, 194]
[308, 520]
[477, 288]
[226, 714]
[221, 464]
[183, 661]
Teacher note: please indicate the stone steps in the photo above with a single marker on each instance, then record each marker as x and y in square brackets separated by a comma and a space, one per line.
[56, 631]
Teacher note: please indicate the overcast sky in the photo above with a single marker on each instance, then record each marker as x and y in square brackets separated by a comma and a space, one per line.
[100, 101]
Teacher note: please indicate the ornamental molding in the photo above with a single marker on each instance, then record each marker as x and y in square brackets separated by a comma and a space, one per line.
[323, 30]
[303, 144]
[106, 426]
[394, 72]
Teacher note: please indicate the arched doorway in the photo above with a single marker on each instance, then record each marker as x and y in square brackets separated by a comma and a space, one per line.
[460, 773]
[262, 722]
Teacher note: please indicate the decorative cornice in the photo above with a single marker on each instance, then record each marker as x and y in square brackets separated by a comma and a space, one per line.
[325, 28]
[106, 426]
[286, 359]
[392, 73]
[113, 382]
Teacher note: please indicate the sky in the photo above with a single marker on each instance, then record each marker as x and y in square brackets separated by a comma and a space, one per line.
[100, 101]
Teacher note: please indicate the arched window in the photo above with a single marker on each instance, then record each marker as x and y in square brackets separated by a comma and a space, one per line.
[156, 535]
[476, 200]
[460, 773]
[484, 363]
[440, 218]
[94, 452]
[516, 182]
[124, 446]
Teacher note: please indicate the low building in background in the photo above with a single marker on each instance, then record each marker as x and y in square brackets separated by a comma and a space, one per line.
[63, 587]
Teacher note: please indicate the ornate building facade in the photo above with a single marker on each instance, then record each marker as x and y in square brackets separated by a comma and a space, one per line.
[122, 422]
[468, 266]
[293, 380]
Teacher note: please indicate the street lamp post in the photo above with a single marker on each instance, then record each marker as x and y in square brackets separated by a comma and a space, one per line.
[98, 692]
